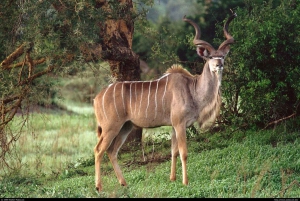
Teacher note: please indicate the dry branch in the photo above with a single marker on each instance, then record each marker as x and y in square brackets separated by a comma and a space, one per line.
[13, 108]
[9, 99]
[12, 57]
[39, 74]
[35, 62]
[279, 120]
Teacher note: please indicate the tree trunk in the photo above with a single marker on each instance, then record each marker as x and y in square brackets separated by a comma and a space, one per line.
[116, 47]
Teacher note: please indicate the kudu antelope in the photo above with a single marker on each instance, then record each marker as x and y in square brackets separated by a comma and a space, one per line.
[176, 99]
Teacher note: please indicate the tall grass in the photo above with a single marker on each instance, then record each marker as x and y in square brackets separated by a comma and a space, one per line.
[50, 141]
[58, 152]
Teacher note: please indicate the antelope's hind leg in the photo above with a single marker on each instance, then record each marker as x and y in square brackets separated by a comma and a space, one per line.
[114, 149]
[105, 139]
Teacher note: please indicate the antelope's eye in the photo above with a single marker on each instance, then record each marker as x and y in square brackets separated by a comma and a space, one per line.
[210, 57]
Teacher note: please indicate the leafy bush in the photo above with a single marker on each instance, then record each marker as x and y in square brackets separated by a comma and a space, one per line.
[261, 82]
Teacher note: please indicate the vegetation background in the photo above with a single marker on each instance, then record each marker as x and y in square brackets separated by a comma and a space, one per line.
[253, 151]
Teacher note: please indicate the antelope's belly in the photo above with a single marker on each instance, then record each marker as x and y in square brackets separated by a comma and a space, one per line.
[145, 122]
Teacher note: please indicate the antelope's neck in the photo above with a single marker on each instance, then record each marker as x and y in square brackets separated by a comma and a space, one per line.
[208, 85]
[208, 95]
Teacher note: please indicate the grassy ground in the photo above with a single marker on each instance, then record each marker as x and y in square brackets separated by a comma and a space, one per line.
[57, 161]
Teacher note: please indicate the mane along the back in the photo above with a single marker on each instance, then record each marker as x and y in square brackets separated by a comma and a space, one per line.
[177, 68]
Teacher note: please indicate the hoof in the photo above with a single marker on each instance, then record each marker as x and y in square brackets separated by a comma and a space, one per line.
[98, 189]
[123, 184]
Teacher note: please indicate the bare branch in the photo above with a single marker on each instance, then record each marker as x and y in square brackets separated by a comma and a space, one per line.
[9, 99]
[12, 57]
[39, 74]
[13, 108]
[34, 62]
[279, 120]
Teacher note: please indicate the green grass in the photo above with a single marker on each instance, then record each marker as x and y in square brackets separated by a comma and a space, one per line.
[50, 141]
[57, 161]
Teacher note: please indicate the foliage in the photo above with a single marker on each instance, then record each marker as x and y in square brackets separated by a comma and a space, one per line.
[163, 39]
[261, 82]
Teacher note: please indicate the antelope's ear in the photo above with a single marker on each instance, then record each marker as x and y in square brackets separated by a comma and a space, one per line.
[202, 52]
[226, 50]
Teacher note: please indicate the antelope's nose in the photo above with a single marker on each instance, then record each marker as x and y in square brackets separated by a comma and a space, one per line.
[219, 64]
[219, 67]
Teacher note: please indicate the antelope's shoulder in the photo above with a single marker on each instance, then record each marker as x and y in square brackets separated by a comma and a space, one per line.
[177, 68]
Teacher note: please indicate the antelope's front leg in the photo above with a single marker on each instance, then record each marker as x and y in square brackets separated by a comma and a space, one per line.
[181, 141]
[175, 153]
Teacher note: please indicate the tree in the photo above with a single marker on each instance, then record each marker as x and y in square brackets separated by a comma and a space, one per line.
[46, 37]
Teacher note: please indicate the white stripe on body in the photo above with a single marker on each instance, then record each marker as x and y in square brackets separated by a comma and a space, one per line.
[141, 98]
[135, 97]
[163, 97]
[148, 98]
[103, 100]
[156, 99]
[123, 98]
[130, 98]
[115, 101]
